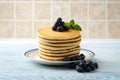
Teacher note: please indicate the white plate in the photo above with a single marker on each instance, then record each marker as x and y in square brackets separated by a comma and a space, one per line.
[33, 55]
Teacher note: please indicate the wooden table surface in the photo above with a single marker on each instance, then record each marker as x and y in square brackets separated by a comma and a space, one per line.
[15, 66]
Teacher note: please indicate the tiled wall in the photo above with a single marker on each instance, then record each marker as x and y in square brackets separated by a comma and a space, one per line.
[98, 18]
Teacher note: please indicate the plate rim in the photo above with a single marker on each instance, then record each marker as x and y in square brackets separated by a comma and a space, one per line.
[53, 62]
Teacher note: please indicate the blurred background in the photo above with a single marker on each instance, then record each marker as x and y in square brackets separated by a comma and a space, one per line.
[99, 19]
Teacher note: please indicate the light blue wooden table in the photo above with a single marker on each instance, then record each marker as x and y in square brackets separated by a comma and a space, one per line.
[14, 66]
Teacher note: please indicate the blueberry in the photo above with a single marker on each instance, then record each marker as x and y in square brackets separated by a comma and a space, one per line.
[83, 61]
[82, 56]
[96, 65]
[59, 19]
[76, 63]
[72, 65]
[56, 24]
[82, 64]
[54, 28]
[75, 58]
[66, 59]
[59, 24]
[65, 28]
[87, 69]
[89, 63]
[79, 69]
[60, 29]
[92, 67]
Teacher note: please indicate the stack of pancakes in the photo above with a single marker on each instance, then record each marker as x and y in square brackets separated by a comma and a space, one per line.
[55, 46]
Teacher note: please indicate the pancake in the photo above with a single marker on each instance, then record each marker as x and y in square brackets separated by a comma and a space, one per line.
[60, 54]
[48, 33]
[61, 44]
[54, 58]
[58, 41]
[59, 51]
[56, 47]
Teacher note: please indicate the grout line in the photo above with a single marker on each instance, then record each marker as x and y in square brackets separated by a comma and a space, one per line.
[106, 30]
[49, 20]
[16, 1]
[51, 12]
[14, 19]
[25, 19]
[70, 4]
[8, 19]
[49, 2]
[60, 12]
[33, 16]
[88, 19]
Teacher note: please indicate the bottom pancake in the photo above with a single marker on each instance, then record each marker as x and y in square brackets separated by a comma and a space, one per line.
[53, 58]
[59, 54]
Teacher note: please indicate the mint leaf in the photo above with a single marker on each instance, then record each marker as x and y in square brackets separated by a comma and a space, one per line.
[77, 27]
[67, 24]
[72, 22]
[72, 25]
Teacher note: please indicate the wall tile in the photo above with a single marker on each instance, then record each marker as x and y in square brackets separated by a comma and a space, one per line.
[6, 10]
[65, 11]
[79, 0]
[23, 0]
[114, 29]
[6, 29]
[61, 0]
[97, 11]
[39, 24]
[97, 1]
[79, 11]
[61, 10]
[7, 0]
[83, 25]
[57, 0]
[97, 29]
[42, 10]
[56, 10]
[24, 29]
[113, 0]
[24, 10]
[42, 0]
[114, 11]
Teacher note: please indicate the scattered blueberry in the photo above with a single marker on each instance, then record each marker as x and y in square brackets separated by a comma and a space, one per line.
[96, 65]
[83, 61]
[92, 67]
[82, 64]
[60, 29]
[72, 65]
[75, 58]
[82, 56]
[79, 69]
[87, 69]
[89, 63]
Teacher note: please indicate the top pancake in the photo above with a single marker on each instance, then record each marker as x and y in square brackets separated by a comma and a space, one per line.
[48, 33]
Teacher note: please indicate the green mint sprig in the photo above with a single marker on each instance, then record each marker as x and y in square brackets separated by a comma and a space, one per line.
[72, 25]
